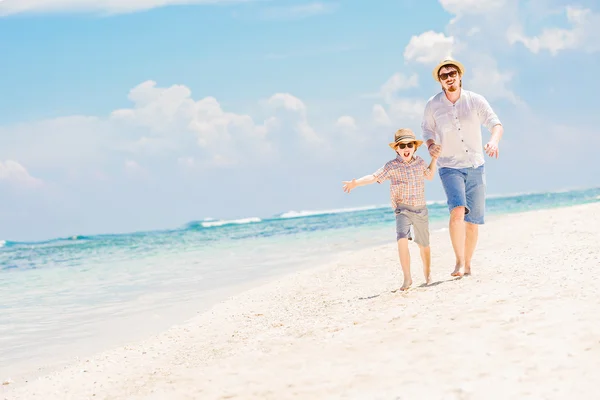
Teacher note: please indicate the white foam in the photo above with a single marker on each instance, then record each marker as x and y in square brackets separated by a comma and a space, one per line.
[309, 213]
[435, 202]
[2, 243]
[210, 224]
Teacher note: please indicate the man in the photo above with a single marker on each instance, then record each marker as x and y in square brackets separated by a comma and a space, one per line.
[452, 132]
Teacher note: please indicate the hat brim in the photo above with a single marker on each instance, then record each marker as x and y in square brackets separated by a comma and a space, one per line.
[393, 145]
[436, 70]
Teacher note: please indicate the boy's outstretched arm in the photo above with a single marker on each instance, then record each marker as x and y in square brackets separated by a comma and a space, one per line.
[430, 171]
[365, 180]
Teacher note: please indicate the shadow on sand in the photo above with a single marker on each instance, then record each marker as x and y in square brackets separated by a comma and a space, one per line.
[423, 285]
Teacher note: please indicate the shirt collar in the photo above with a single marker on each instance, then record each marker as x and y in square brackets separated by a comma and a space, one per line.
[448, 102]
[401, 161]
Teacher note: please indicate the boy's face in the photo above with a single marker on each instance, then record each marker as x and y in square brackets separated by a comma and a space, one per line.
[407, 152]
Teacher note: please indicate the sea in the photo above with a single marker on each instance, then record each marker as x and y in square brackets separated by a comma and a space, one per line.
[67, 298]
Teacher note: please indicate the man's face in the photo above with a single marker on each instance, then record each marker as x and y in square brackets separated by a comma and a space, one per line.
[449, 78]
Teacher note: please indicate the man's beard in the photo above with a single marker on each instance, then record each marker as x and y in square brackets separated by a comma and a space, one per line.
[452, 88]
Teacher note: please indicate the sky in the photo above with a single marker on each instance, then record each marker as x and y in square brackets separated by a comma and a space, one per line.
[128, 115]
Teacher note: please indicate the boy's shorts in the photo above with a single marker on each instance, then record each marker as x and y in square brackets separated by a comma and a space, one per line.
[465, 187]
[418, 217]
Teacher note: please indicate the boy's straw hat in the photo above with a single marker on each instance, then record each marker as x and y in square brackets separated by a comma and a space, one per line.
[446, 61]
[405, 135]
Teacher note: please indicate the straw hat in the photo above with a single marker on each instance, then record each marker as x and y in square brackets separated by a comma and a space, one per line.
[446, 61]
[405, 135]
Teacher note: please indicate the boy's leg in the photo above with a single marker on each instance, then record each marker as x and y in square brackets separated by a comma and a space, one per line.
[404, 255]
[402, 234]
[420, 224]
[426, 257]
[453, 181]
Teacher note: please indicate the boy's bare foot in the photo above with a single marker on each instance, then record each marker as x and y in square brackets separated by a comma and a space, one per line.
[427, 273]
[406, 285]
[459, 270]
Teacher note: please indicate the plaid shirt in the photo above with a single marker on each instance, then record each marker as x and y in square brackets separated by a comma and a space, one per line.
[407, 184]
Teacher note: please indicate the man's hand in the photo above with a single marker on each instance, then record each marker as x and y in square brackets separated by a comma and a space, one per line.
[435, 150]
[349, 185]
[428, 173]
[492, 149]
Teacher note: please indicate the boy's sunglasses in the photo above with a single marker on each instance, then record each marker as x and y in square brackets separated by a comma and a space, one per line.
[403, 145]
[445, 75]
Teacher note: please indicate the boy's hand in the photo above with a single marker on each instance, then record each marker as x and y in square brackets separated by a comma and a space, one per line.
[491, 148]
[435, 150]
[349, 185]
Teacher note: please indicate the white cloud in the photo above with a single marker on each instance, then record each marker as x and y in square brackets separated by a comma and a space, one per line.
[346, 122]
[8, 7]
[188, 162]
[460, 7]
[288, 102]
[380, 116]
[396, 83]
[162, 125]
[429, 47]
[291, 111]
[485, 78]
[399, 108]
[15, 173]
[298, 11]
[134, 170]
[584, 34]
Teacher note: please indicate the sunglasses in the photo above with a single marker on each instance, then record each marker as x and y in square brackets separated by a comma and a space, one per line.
[403, 145]
[445, 75]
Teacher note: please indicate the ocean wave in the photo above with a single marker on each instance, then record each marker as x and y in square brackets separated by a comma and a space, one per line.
[436, 202]
[241, 221]
[2, 243]
[309, 213]
[540, 192]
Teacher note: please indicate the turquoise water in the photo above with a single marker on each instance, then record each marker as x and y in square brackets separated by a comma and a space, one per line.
[71, 296]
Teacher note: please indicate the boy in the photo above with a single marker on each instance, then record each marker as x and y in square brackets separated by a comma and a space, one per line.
[407, 174]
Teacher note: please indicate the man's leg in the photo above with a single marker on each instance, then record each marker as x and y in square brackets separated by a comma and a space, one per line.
[472, 231]
[453, 181]
[458, 235]
[475, 192]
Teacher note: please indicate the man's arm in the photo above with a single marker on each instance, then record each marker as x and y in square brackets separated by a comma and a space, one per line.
[491, 148]
[365, 180]
[490, 120]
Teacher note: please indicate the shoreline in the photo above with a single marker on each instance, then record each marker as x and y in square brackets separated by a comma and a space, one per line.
[339, 330]
[140, 324]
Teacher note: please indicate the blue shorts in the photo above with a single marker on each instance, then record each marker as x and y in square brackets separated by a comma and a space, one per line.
[465, 187]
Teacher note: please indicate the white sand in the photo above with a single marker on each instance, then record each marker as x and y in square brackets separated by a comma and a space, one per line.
[525, 326]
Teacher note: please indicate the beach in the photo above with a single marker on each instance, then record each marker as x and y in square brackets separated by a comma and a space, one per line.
[524, 325]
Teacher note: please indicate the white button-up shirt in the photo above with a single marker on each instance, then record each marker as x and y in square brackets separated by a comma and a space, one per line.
[457, 128]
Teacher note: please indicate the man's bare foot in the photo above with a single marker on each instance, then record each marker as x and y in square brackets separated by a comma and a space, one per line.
[427, 280]
[467, 271]
[406, 285]
[459, 270]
